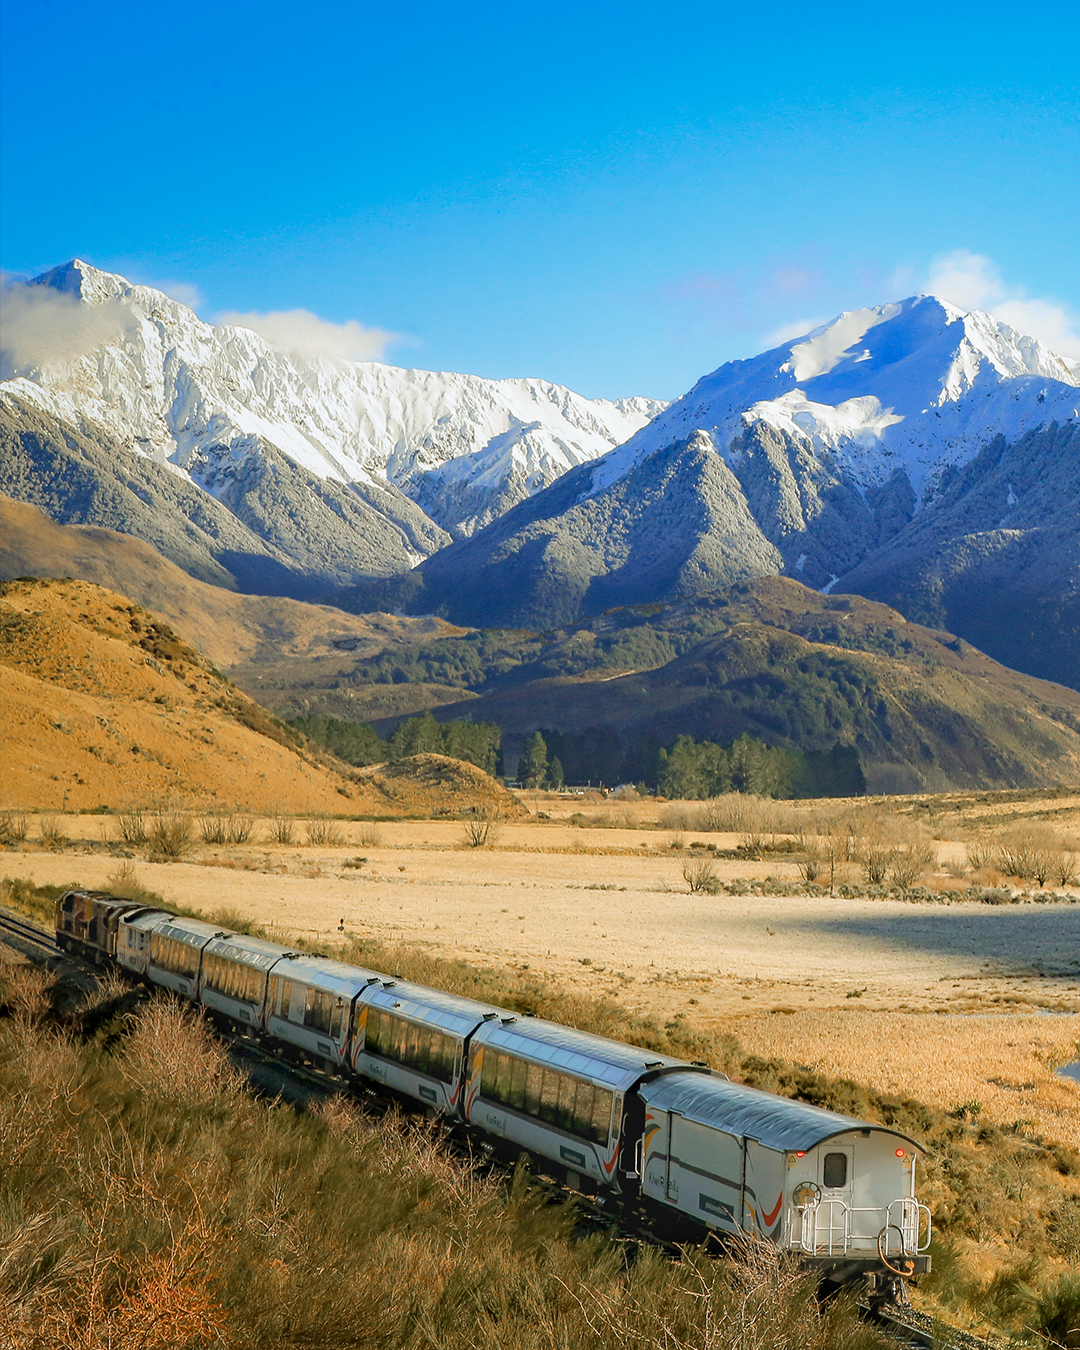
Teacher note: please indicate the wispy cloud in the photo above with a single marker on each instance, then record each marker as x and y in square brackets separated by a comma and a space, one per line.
[797, 328]
[183, 292]
[973, 281]
[301, 332]
[42, 326]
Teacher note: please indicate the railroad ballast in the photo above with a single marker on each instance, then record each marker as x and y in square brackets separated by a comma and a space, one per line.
[697, 1153]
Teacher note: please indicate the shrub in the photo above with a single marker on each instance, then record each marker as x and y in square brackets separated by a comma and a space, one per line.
[14, 826]
[51, 833]
[699, 874]
[131, 822]
[322, 832]
[282, 828]
[169, 833]
[369, 835]
[481, 831]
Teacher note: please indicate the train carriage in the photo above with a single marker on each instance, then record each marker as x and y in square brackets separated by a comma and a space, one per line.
[233, 977]
[413, 1040]
[165, 949]
[308, 1005]
[837, 1190]
[559, 1094]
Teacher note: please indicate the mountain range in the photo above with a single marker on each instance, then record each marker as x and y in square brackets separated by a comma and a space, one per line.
[911, 452]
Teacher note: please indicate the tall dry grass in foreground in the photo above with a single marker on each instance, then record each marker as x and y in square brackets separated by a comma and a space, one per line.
[147, 1200]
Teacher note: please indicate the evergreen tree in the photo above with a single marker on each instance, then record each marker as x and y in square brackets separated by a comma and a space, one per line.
[556, 777]
[533, 767]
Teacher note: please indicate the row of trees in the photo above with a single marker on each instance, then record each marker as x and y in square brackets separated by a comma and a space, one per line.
[691, 769]
[688, 769]
[357, 743]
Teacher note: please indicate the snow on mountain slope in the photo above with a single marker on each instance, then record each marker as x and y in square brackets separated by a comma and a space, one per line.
[805, 460]
[201, 398]
[916, 386]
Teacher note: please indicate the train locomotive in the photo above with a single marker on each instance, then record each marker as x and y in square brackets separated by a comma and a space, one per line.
[693, 1153]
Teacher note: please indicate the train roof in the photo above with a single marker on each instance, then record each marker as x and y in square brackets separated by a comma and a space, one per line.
[447, 1011]
[781, 1123]
[192, 932]
[323, 972]
[249, 951]
[610, 1062]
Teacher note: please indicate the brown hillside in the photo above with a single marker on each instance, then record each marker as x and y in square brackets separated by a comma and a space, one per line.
[232, 630]
[104, 705]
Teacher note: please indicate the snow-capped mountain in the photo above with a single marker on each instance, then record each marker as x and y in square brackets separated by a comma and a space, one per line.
[912, 387]
[205, 400]
[803, 460]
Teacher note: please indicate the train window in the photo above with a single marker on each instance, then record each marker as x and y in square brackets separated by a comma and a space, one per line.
[373, 1032]
[338, 1018]
[534, 1080]
[549, 1097]
[601, 1115]
[502, 1078]
[583, 1110]
[518, 1074]
[834, 1171]
[567, 1087]
[412, 1043]
[488, 1068]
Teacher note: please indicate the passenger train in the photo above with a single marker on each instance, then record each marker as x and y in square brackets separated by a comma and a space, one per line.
[694, 1152]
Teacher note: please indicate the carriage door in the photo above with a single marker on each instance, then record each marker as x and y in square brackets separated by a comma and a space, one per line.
[837, 1189]
[672, 1190]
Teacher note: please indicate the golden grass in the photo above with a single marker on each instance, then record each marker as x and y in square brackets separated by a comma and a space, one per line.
[1004, 1062]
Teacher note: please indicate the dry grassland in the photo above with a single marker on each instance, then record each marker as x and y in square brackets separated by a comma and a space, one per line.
[952, 1003]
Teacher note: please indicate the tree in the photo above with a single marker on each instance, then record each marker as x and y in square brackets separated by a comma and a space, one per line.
[556, 777]
[533, 767]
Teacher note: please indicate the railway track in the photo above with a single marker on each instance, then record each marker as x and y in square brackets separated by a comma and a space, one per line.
[26, 934]
[300, 1086]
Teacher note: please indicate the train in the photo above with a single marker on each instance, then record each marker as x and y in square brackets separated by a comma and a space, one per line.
[679, 1144]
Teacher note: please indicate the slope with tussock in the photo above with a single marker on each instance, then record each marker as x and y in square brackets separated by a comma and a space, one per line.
[147, 1200]
[104, 704]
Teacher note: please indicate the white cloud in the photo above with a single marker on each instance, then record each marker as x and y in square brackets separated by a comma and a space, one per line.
[974, 281]
[300, 331]
[183, 292]
[42, 325]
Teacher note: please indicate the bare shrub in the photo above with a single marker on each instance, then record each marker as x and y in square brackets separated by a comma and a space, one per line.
[482, 830]
[51, 832]
[699, 874]
[676, 818]
[282, 828]
[171, 1054]
[1065, 868]
[811, 861]
[981, 853]
[124, 882]
[369, 835]
[909, 860]
[131, 822]
[14, 826]
[322, 832]
[170, 832]
[241, 827]
[214, 827]
[1028, 852]
[677, 840]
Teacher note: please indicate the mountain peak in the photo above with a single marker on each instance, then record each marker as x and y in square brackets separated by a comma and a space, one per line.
[84, 281]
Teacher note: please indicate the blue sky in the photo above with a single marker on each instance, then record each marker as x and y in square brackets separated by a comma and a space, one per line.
[618, 197]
